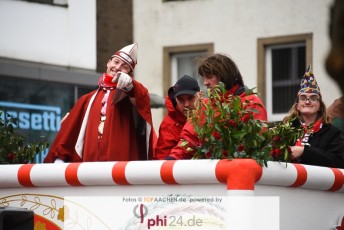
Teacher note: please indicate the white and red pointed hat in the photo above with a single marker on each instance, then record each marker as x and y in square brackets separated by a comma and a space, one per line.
[128, 54]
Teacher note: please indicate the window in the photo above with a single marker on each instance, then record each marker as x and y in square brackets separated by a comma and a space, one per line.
[181, 60]
[282, 62]
[38, 106]
[39, 95]
[185, 64]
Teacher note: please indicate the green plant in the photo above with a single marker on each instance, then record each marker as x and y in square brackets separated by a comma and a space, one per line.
[281, 136]
[226, 129]
[13, 149]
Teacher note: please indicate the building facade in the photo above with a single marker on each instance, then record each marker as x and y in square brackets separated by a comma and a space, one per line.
[53, 51]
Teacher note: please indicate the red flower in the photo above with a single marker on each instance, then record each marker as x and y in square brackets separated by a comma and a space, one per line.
[246, 118]
[241, 148]
[272, 153]
[278, 151]
[275, 152]
[232, 123]
[11, 156]
[208, 154]
[216, 134]
[224, 154]
[276, 138]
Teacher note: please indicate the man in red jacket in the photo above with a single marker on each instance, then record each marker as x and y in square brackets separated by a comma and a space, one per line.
[214, 69]
[112, 123]
[180, 99]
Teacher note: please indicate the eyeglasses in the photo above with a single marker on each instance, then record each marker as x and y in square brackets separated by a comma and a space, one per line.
[312, 99]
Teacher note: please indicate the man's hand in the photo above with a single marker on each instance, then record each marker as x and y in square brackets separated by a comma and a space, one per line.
[124, 81]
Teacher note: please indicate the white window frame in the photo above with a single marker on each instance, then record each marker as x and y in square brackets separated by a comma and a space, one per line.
[192, 72]
[264, 65]
[170, 63]
[269, 88]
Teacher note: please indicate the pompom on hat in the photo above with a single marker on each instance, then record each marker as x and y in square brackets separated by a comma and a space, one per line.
[128, 54]
[308, 83]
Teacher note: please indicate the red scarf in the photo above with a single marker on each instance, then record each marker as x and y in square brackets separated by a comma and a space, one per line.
[232, 90]
[308, 131]
[105, 81]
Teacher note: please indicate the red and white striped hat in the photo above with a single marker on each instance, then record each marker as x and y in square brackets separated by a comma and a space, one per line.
[128, 54]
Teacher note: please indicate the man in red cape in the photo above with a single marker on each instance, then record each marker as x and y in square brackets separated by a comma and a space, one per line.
[112, 123]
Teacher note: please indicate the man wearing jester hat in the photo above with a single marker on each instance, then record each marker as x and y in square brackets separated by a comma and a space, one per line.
[321, 143]
[113, 122]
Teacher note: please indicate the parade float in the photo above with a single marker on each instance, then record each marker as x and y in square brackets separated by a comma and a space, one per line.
[309, 197]
[238, 187]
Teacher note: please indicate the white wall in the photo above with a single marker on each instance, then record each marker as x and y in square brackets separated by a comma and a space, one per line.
[49, 34]
[234, 27]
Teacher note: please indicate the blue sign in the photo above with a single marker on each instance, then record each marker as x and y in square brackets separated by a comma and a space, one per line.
[34, 120]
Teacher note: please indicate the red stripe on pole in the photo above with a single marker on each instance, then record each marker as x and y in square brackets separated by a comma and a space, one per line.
[166, 172]
[338, 180]
[239, 174]
[301, 176]
[71, 174]
[118, 173]
[221, 171]
[24, 175]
